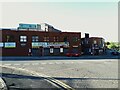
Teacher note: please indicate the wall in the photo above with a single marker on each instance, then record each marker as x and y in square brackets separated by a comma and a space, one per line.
[22, 49]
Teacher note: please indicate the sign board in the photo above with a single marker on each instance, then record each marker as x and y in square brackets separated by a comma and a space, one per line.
[10, 44]
[48, 44]
[1, 44]
[65, 44]
[51, 50]
[29, 26]
[37, 44]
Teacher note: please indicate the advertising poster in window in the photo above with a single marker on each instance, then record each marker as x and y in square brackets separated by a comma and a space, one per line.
[10, 44]
[1, 44]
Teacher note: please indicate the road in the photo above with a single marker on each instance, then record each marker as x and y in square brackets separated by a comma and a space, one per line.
[101, 73]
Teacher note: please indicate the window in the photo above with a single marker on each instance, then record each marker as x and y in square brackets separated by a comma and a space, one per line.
[75, 39]
[10, 45]
[51, 50]
[10, 38]
[46, 38]
[56, 39]
[95, 42]
[65, 39]
[23, 38]
[86, 41]
[82, 42]
[1, 44]
[61, 50]
[35, 38]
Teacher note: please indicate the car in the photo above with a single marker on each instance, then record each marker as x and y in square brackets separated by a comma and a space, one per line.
[76, 54]
[115, 53]
[73, 54]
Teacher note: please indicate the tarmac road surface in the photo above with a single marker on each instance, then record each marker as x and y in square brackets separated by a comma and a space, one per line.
[102, 73]
[19, 79]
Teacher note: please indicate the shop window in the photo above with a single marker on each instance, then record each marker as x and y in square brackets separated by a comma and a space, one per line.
[65, 39]
[56, 39]
[95, 42]
[86, 41]
[82, 42]
[23, 38]
[51, 50]
[35, 38]
[75, 39]
[1, 44]
[46, 38]
[61, 50]
[10, 38]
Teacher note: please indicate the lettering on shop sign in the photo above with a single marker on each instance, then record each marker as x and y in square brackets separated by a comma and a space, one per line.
[1, 44]
[23, 44]
[48, 44]
[10, 44]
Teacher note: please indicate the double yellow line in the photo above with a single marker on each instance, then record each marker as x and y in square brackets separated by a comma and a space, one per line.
[33, 73]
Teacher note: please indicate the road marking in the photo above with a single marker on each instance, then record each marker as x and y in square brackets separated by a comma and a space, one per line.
[72, 62]
[67, 62]
[50, 63]
[80, 62]
[107, 62]
[57, 62]
[43, 63]
[52, 80]
[41, 68]
[7, 64]
[26, 64]
[34, 63]
[16, 64]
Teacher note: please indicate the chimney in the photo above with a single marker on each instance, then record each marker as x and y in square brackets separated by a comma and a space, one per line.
[86, 35]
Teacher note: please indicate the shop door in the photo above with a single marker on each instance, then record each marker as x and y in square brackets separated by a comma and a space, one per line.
[36, 52]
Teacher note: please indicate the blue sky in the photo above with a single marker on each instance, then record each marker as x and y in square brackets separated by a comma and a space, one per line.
[97, 18]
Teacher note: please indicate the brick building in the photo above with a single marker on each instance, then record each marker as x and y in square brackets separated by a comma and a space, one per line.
[92, 45]
[30, 40]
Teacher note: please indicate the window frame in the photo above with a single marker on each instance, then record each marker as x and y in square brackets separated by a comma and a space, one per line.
[35, 38]
[10, 38]
[23, 38]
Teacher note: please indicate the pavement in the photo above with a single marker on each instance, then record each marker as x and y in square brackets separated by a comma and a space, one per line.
[59, 57]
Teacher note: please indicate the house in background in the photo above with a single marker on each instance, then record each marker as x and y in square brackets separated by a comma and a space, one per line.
[92, 45]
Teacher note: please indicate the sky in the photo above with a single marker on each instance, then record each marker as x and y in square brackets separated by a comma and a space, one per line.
[99, 19]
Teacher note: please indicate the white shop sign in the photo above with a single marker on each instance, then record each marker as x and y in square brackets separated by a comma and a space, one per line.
[10, 44]
[37, 44]
[1, 44]
[48, 44]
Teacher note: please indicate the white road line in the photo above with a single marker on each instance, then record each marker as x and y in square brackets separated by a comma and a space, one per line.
[16, 64]
[42, 63]
[52, 80]
[72, 62]
[67, 62]
[50, 63]
[41, 68]
[26, 64]
[57, 62]
[34, 63]
[107, 62]
[7, 64]
[80, 62]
